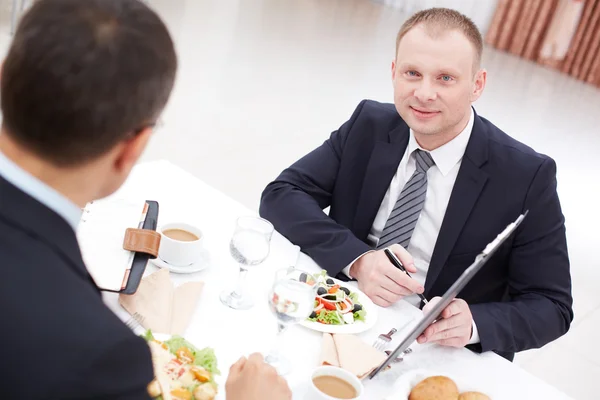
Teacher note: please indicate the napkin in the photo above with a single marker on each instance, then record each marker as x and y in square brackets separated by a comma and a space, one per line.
[350, 353]
[162, 307]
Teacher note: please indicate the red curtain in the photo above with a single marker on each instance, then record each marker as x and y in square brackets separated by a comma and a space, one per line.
[562, 34]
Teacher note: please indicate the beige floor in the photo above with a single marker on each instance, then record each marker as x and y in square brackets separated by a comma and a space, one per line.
[264, 81]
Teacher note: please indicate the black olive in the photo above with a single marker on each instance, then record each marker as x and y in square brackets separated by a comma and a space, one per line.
[331, 297]
[345, 290]
[357, 307]
[330, 281]
[313, 315]
[303, 277]
[321, 291]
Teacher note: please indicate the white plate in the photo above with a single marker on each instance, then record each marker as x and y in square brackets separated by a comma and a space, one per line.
[405, 384]
[351, 329]
[200, 265]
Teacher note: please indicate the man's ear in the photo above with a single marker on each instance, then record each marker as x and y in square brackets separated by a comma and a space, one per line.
[479, 84]
[131, 150]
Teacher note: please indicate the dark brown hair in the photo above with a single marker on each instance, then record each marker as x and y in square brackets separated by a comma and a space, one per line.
[439, 20]
[82, 75]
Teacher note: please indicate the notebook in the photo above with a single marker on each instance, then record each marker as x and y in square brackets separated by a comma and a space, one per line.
[100, 234]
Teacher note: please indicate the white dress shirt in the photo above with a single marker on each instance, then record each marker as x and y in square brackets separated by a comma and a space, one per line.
[440, 182]
[37, 189]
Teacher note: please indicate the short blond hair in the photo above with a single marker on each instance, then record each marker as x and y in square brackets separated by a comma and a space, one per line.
[440, 20]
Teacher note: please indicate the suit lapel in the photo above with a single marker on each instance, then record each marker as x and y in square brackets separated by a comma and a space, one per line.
[382, 166]
[468, 186]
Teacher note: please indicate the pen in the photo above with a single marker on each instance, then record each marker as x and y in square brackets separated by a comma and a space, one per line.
[394, 260]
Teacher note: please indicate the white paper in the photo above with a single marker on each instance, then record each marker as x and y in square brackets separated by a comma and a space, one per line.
[100, 234]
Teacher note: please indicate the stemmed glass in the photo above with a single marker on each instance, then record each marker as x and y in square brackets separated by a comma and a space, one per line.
[291, 299]
[249, 246]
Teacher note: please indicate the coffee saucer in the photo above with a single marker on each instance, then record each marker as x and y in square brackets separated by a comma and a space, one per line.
[201, 264]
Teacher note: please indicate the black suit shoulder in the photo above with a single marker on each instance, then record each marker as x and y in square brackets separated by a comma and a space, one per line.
[378, 117]
[505, 146]
[61, 340]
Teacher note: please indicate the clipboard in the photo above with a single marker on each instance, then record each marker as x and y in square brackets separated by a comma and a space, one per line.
[117, 238]
[140, 259]
[451, 293]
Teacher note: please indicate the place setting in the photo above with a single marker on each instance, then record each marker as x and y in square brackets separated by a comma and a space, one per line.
[336, 310]
[337, 313]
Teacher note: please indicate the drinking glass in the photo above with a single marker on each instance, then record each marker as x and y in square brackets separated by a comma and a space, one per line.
[291, 299]
[249, 246]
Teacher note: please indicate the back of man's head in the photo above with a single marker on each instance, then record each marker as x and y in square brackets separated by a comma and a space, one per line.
[83, 75]
[437, 21]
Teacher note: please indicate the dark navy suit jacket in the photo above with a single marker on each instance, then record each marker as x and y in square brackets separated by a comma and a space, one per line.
[59, 340]
[521, 298]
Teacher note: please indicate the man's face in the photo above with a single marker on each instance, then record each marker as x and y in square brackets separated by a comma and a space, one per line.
[435, 81]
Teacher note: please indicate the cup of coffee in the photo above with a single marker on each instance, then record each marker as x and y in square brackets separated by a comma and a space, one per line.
[180, 245]
[333, 383]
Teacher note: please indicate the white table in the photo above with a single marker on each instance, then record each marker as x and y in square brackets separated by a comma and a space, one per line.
[182, 197]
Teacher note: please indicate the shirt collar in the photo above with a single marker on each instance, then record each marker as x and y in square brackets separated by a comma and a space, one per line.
[448, 155]
[37, 189]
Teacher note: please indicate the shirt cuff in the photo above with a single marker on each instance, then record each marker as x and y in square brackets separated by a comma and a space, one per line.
[475, 334]
[346, 270]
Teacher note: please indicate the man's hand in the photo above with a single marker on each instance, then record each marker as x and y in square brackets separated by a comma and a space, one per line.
[253, 379]
[455, 327]
[381, 281]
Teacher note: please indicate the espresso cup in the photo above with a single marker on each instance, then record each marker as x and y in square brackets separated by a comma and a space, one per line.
[315, 394]
[182, 245]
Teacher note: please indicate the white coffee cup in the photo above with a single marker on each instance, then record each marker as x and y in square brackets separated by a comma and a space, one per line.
[180, 253]
[316, 394]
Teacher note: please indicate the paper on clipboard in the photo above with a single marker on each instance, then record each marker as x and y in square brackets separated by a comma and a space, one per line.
[451, 293]
[100, 234]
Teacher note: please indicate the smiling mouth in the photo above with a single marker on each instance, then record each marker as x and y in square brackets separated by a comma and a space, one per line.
[423, 114]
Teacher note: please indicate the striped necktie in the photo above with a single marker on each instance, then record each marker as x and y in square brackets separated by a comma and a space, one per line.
[403, 219]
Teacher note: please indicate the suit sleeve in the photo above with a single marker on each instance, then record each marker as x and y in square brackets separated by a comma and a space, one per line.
[295, 201]
[540, 309]
[122, 371]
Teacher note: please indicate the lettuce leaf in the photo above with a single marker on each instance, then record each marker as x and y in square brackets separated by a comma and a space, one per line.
[360, 315]
[205, 358]
[148, 336]
[330, 318]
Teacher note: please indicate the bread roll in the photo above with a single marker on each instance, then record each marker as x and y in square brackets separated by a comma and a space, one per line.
[435, 388]
[473, 396]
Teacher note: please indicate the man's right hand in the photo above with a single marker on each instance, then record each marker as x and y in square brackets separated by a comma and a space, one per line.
[253, 379]
[379, 279]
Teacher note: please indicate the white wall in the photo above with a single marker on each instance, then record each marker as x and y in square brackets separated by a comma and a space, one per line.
[480, 11]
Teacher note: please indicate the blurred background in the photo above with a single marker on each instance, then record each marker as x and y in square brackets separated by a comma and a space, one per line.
[263, 82]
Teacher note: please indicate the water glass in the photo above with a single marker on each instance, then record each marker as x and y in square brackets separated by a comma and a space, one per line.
[249, 246]
[291, 300]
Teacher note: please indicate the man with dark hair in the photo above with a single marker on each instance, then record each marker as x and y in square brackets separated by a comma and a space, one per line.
[82, 86]
[433, 181]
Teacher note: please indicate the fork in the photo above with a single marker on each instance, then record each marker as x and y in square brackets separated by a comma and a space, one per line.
[383, 339]
[135, 321]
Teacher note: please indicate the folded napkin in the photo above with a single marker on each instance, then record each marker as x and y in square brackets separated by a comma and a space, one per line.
[350, 353]
[162, 307]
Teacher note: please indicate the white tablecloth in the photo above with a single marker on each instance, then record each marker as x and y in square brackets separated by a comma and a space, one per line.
[182, 197]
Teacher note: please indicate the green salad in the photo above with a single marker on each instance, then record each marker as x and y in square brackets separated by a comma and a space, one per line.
[188, 372]
[335, 304]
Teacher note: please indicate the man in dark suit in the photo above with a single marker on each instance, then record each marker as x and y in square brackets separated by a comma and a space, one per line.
[434, 181]
[81, 88]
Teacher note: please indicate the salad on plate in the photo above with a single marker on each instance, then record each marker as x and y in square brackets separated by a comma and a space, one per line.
[182, 372]
[335, 304]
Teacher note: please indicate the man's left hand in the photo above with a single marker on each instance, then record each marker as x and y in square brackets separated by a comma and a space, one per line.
[453, 329]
